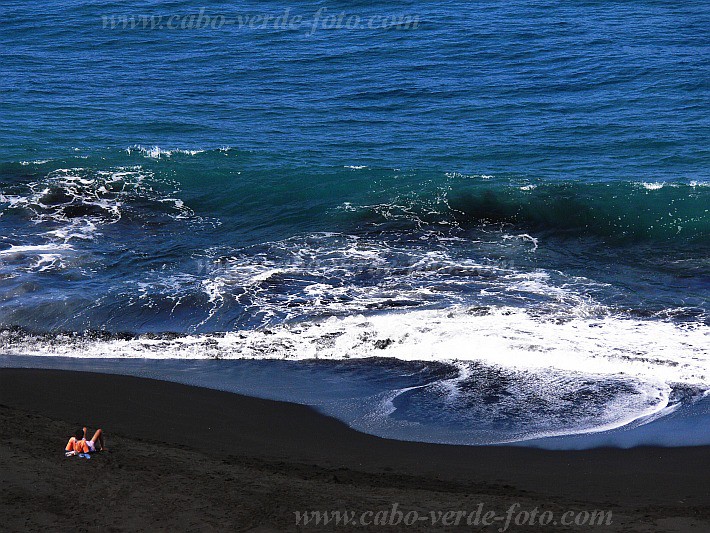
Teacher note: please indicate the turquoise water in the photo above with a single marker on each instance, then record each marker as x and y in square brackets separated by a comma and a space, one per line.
[517, 194]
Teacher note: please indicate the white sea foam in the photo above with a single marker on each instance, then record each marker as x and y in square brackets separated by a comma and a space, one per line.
[70, 205]
[81, 229]
[459, 175]
[101, 194]
[652, 186]
[656, 185]
[34, 258]
[659, 352]
[38, 249]
[156, 152]
[35, 162]
[325, 274]
[523, 237]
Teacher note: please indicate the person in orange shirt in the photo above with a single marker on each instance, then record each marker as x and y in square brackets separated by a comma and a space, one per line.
[79, 444]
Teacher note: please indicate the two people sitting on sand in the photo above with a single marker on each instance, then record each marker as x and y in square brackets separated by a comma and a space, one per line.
[79, 444]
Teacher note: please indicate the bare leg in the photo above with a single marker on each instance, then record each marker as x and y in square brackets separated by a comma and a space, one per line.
[99, 438]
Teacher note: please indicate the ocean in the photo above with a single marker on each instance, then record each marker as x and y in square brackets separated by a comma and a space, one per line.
[465, 222]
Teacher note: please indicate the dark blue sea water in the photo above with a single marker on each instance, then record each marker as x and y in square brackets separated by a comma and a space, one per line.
[494, 220]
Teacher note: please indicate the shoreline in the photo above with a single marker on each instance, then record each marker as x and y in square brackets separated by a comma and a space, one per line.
[353, 393]
[207, 428]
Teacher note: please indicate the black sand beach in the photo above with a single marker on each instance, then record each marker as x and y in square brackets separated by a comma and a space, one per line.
[189, 459]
